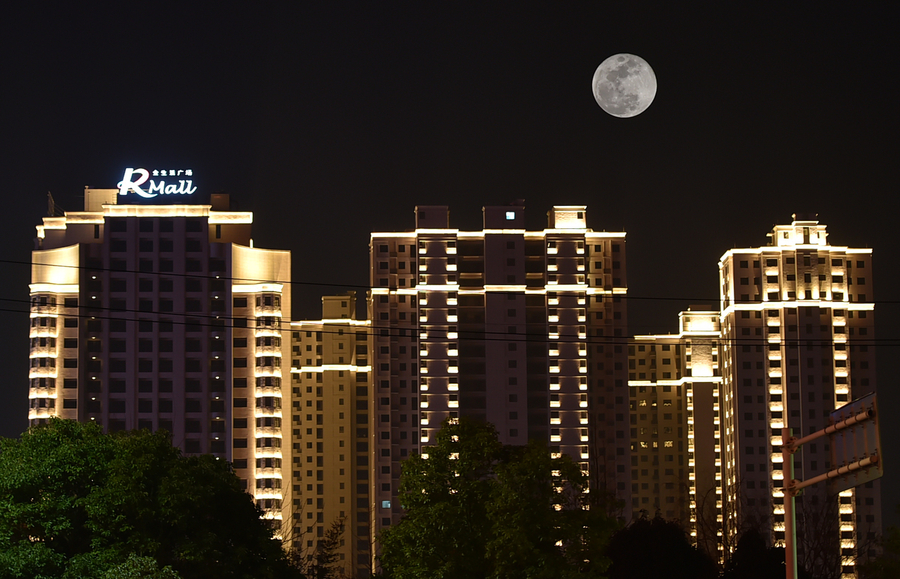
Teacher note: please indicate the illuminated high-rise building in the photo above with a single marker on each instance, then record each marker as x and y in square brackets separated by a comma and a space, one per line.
[164, 317]
[675, 383]
[793, 341]
[797, 343]
[522, 329]
[330, 456]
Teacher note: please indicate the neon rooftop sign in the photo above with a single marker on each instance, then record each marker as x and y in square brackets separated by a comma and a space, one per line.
[134, 181]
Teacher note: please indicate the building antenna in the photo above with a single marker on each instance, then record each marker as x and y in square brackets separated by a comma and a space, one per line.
[53, 209]
[51, 205]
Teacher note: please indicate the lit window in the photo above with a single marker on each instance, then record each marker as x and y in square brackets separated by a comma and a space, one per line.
[510, 215]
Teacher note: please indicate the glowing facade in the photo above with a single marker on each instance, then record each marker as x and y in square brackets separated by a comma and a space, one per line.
[797, 343]
[792, 342]
[675, 383]
[330, 456]
[164, 317]
[523, 329]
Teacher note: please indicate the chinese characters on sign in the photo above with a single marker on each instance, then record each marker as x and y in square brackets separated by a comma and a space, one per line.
[134, 180]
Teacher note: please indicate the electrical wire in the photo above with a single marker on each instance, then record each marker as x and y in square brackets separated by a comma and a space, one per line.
[704, 300]
[394, 331]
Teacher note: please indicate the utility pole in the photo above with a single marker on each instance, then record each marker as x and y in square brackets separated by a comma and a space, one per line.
[788, 447]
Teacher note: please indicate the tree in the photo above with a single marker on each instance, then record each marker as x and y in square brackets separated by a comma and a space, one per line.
[651, 548]
[140, 568]
[753, 560]
[886, 565]
[818, 533]
[321, 563]
[477, 508]
[77, 503]
[540, 526]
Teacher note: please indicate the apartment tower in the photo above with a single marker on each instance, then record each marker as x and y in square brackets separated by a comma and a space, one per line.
[156, 316]
[676, 471]
[330, 454]
[522, 329]
[797, 343]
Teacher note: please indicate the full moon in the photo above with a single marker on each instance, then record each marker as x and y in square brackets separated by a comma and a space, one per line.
[624, 85]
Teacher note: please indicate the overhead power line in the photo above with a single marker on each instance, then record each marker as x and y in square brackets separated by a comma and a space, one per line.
[699, 300]
[206, 320]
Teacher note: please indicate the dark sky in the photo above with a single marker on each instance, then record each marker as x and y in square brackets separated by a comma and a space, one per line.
[332, 119]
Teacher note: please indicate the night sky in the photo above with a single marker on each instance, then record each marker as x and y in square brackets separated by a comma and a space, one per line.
[330, 120]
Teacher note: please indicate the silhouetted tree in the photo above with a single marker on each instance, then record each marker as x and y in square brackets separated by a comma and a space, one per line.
[653, 548]
[752, 559]
[319, 563]
[886, 565]
[818, 535]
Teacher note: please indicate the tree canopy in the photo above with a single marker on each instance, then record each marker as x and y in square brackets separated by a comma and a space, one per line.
[887, 564]
[651, 548]
[75, 502]
[477, 508]
[752, 559]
